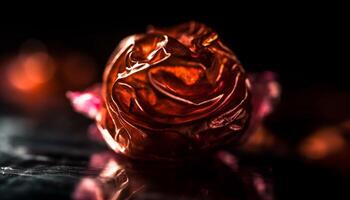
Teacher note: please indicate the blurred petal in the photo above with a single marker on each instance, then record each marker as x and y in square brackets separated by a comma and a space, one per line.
[94, 133]
[265, 94]
[87, 102]
[228, 159]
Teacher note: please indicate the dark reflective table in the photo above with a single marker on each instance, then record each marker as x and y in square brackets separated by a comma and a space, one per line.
[44, 163]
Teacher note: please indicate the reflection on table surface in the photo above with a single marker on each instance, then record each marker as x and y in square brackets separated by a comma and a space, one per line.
[207, 179]
[62, 166]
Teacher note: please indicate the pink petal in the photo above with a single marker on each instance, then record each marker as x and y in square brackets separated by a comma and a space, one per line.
[87, 102]
[228, 159]
[265, 94]
[94, 133]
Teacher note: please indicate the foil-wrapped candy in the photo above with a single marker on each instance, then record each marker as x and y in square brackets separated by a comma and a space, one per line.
[173, 93]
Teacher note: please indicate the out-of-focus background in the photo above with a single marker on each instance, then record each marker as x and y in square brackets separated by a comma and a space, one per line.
[306, 140]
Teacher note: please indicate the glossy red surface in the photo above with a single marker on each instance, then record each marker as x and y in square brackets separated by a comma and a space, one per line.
[173, 93]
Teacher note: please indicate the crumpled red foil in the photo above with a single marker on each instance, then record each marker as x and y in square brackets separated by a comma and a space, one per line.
[174, 93]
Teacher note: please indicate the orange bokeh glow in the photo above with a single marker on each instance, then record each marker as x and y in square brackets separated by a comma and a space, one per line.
[28, 72]
[322, 143]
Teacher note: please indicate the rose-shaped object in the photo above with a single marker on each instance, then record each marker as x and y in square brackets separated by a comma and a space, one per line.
[173, 93]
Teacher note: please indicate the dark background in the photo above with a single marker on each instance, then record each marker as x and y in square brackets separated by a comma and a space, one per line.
[305, 45]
